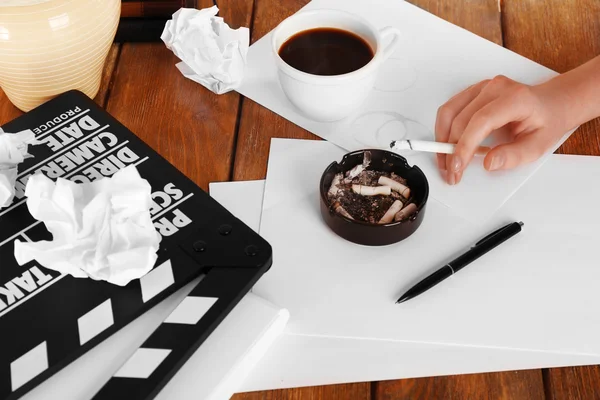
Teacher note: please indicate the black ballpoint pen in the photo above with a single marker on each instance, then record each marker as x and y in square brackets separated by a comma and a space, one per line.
[480, 248]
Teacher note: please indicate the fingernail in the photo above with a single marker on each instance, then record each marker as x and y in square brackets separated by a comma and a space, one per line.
[451, 178]
[497, 162]
[457, 177]
[456, 163]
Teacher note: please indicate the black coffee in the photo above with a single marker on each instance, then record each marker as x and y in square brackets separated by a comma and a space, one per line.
[326, 51]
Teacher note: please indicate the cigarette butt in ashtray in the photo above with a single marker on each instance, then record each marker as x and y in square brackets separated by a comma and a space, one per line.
[397, 186]
[432, 147]
[372, 190]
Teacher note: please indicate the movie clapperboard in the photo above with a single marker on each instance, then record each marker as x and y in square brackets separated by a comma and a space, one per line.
[48, 320]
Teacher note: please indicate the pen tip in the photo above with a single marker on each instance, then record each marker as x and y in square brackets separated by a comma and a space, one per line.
[401, 300]
[521, 223]
[392, 144]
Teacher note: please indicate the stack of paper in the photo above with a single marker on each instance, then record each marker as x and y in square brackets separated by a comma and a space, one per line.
[528, 293]
[308, 355]
[297, 360]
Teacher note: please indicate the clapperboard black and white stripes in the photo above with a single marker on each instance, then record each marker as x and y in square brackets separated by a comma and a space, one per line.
[47, 320]
[176, 339]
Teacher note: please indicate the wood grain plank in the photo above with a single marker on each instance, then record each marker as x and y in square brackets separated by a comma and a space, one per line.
[481, 17]
[107, 75]
[574, 383]
[525, 385]
[136, 9]
[186, 123]
[258, 124]
[560, 35]
[354, 391]
[8, 111]
[129, 10]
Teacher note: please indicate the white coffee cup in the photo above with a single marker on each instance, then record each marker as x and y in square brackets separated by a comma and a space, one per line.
[334, 97]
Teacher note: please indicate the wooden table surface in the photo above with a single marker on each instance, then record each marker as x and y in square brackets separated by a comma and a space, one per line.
[220, 138]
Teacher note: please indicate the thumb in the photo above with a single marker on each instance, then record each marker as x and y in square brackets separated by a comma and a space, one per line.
[523, 150]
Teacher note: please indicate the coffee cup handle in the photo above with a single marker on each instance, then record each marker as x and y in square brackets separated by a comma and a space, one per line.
[390, 47]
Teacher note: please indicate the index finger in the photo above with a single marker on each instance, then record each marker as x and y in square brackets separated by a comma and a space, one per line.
[449, 110]
[492, 116]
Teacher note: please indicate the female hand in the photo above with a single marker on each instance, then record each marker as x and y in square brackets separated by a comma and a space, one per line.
[534, 116]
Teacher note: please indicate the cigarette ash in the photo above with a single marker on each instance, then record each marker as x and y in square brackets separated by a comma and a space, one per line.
[376, 197]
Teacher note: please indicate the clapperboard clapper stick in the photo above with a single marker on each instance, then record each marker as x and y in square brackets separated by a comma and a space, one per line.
[48, 320]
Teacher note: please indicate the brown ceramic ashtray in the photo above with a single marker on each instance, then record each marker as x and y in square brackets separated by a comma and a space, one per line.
[373, 197]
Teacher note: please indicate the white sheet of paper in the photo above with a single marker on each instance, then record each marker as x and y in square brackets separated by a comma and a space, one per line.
[538, 291]
[297, 361]
[301, 360]
[434, 61]
[244, 199]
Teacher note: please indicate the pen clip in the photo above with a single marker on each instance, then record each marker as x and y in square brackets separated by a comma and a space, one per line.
[497, 231]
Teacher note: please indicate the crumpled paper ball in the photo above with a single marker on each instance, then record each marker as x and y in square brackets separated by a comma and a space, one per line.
[102, 230]
[13, 151]
[212, 54]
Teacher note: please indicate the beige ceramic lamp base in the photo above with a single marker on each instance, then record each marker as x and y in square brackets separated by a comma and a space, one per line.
[48, 47]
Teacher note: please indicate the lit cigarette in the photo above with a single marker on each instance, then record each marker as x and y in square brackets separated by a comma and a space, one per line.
[391, 212]
[372, 190]
[431, 147]
[405, 212]
[395, 185]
